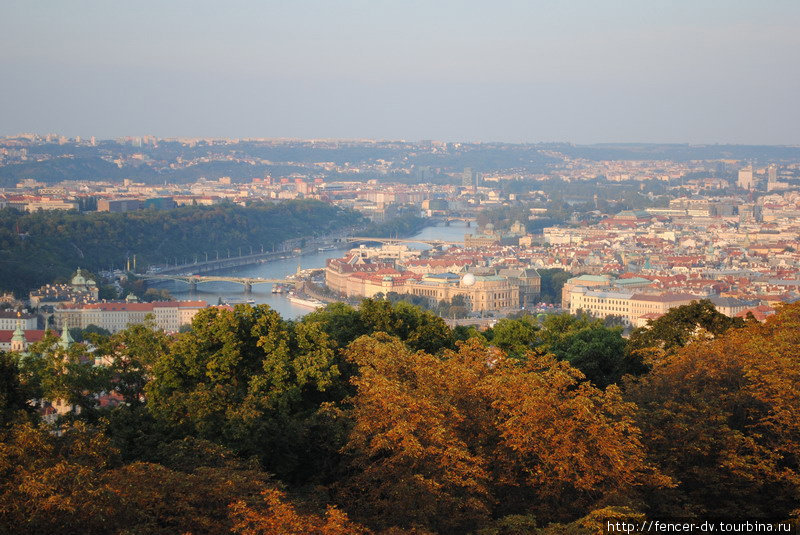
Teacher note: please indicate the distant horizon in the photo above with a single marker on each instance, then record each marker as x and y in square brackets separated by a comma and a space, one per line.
[391, 140]
[702, 72]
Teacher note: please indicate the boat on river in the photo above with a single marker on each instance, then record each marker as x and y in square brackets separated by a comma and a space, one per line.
[310, 303]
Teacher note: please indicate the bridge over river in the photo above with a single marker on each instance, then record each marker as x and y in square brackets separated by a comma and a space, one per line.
[194, 280]
[390, 241]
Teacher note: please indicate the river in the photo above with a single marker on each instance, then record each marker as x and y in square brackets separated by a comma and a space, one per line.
[213, 292]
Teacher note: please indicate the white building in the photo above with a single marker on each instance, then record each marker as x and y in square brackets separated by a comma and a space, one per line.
[9, 320]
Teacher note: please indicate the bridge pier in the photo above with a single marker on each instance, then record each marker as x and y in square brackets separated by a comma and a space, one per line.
[446, 222]
[248, 287]
[193, 286]
[469, 223]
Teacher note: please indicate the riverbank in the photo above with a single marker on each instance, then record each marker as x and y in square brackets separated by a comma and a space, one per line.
[298, 247]
[280, 268]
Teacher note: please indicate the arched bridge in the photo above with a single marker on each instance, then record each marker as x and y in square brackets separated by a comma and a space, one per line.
[433, 243]
[469, 220]
[194, 280]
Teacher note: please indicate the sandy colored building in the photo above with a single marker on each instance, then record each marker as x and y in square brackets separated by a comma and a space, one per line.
[116, 316]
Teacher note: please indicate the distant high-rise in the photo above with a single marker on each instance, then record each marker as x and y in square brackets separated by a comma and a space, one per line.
[470, 179]
[772, 177]
[746, 180]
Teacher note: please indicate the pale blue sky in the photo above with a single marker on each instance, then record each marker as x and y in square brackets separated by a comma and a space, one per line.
[696, 71]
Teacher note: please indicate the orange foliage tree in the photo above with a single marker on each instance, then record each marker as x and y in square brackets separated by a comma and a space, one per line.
[722, 418]
[447, 443]
[276, 516]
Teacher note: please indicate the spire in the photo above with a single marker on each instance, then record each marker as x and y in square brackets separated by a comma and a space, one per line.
[66, 338]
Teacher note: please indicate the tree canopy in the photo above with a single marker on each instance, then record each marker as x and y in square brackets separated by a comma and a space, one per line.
[42, 246]
[382, 420]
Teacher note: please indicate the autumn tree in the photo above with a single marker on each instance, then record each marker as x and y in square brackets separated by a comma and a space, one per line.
[413, 466]
[53, 484]
[446, 443]
[565, 445]
[722, 417]
[277, 516]
[73, 483]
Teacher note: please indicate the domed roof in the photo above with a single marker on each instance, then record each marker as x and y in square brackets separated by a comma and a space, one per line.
[78, 279]
[468, 279]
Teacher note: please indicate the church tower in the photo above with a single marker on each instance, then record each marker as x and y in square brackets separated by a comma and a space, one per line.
[66, 338]
[18, 342]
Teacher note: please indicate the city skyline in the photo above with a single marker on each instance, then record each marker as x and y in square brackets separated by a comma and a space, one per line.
[707, 72]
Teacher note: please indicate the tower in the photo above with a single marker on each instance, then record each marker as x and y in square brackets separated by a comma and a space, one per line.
[18, 342]
[772, 177]
[66, 338]
[746, 180]
[470, 179]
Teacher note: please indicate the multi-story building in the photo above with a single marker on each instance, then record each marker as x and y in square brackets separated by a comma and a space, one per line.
[587, 281]
[529, 282]
[353, 277]
[118, 205]
[602, 303]
[116, 316]
[642, 304]
[746, 179]
[10, 320]
[79, 290]
[481, 293]
[730, 306]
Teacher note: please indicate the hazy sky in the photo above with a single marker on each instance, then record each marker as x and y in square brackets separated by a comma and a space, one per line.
[695, 71]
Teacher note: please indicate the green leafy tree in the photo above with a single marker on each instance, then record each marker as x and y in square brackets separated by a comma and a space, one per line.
[130, 356]
[249, 380]
[342, 323]
[552, 282]
[54, 373]
[516, 336]
[420, 329]
[680, 326]
[13, 394]
[598, 351]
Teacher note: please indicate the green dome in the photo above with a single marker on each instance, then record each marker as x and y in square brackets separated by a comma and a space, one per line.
[78, 279]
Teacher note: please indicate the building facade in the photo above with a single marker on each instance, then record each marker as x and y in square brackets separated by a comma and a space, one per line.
[169, 316]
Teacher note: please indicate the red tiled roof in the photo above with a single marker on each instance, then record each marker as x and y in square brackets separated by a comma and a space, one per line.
[33, 335]
[139, 307]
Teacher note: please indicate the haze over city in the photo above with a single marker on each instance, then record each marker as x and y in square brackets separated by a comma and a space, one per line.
[584, 72]
[399, 267]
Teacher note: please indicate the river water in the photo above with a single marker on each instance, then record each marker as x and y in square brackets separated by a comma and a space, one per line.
[214, 292]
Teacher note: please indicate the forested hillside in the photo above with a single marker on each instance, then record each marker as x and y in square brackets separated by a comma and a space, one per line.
[39, 247]
[382, 420]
